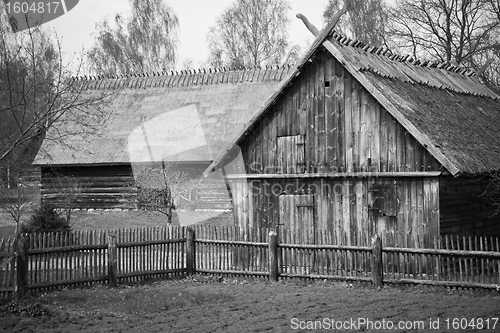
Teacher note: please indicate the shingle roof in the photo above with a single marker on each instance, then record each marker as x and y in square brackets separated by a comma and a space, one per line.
[188, 116]
[402, 68]
[445, 107]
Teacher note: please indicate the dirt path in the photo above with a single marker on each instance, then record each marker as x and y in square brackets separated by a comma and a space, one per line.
[236, 306]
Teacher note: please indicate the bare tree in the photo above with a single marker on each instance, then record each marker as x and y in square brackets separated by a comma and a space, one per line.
[250, 33]
[293, 55]
[69, 189]
[39, 99]
[365, 19]
[463, 32]
[145, 42]
[16, 202]
[163, 188]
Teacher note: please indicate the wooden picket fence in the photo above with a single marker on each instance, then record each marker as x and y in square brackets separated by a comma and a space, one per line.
[7, 268]
[82, 258]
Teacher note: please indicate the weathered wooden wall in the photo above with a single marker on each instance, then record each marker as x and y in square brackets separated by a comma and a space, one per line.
[99, 187]
[355, 208]
[107, 187]
[467, 206]
[327, 122]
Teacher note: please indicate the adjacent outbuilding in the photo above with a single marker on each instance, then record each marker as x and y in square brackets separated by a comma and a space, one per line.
[181, 120]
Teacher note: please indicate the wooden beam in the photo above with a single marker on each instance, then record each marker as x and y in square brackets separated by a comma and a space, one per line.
[315, 31]
[311, 27]
[337, 175]
[483, 68]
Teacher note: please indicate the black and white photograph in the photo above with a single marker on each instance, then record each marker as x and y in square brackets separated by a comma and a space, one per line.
[249, 166]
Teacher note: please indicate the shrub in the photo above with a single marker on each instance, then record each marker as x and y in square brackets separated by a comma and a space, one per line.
[45, 219]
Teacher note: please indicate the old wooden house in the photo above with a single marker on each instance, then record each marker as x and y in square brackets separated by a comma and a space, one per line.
[359, 141]
[185, 120]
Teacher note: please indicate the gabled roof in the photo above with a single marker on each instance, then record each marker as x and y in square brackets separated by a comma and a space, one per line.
[445, 107]
[186, 117]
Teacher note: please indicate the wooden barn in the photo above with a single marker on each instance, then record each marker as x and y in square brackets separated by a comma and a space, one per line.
[359, 140]
[184, 120]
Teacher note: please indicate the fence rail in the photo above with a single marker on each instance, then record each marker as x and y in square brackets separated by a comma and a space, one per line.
[46, 261]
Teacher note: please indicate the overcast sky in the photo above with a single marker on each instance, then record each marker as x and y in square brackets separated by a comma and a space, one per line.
[77, 27]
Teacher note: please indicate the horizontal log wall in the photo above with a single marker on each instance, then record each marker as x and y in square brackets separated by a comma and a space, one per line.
[355, 209]
[213, 194]
[98, 187]
[107, 187]
[343, 128]
[467, 206]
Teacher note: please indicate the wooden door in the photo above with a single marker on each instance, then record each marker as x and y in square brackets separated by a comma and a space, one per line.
[383, 210]
[297, 213]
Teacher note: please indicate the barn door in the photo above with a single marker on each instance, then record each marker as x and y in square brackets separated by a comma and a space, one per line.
[383, 209]
[297, 213]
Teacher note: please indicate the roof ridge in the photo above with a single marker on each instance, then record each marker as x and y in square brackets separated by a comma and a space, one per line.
[206, 70]
[394, 56]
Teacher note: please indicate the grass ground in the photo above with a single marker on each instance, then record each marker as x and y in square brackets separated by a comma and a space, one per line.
[91, 220]
[229, 305]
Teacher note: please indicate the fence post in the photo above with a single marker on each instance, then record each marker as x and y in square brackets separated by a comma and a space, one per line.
[190, 252]
[376, 262]
[21, 267]
[273, 256]
[112, 260]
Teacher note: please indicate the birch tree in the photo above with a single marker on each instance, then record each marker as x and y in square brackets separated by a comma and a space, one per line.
[250, 33]
[144, 42]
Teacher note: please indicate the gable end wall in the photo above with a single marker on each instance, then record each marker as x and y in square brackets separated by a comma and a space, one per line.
[344, 128]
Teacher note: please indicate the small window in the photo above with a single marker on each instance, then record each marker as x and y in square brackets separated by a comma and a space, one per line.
[384, 199]
[290, 154]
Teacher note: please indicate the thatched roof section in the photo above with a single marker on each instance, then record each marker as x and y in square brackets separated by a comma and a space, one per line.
[186, 117]
[464, 127]
[445, 107]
